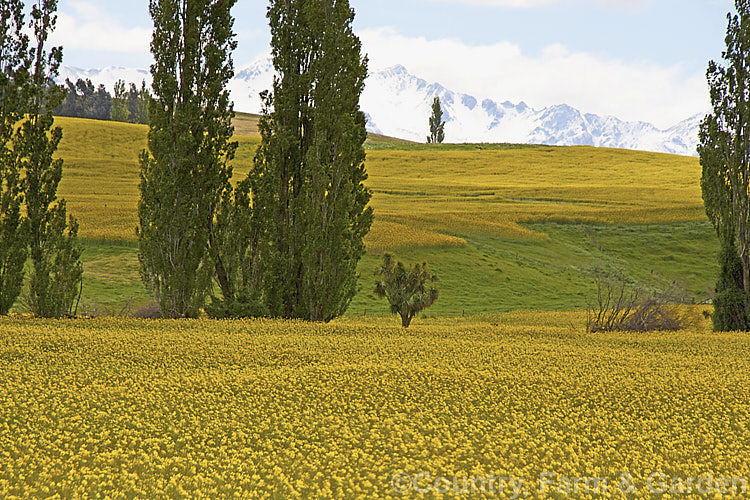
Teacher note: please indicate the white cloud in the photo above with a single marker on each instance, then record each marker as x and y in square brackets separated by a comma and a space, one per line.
[620, 4]
[632, 91]
[85, 26]
[503, 3]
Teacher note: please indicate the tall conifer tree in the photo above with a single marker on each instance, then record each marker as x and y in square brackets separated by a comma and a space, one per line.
[119, 108]
[57, 271]
[186, 173]
[437, 125]
[725, 157]
[309, 171]
[13, 68]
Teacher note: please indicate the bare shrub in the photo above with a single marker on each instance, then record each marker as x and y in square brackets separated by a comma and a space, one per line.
[621, 307]
[151, 310]
[95, 311]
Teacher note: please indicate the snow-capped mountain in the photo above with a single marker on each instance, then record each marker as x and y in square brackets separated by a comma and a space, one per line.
[106, 76]
[398, 104]
[249, 82]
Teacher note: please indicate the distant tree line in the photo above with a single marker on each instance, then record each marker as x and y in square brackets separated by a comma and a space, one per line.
[83, 100]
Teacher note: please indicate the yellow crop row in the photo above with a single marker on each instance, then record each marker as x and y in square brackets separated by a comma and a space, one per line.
[492, 191]
[386, 235]
[356, 408]
[441, 192]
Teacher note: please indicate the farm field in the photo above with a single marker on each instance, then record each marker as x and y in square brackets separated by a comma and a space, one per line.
[505, 227]
[276, 409]
[452, 190]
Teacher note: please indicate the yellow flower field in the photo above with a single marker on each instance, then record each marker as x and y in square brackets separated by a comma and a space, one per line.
[440, 192]
[361, 408]
[391, 235]
[490, 192]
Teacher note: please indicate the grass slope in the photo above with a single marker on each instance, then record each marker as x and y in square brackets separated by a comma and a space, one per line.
[504, 226]
[493, 273]
[489, 273]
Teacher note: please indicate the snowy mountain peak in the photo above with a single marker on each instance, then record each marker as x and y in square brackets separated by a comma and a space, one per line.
[398, 103]
[106, 76]
[397, 70]
[255, 69]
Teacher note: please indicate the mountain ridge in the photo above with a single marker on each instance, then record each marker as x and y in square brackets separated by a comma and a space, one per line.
[397, 103]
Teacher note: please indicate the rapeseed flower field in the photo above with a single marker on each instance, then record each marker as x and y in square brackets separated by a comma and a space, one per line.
[360, 408]
[442, 192]
[504, 226]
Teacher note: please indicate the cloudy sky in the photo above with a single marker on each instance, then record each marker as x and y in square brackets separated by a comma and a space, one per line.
[635, 59]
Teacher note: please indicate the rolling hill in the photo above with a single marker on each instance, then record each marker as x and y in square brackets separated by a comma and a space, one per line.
[504, 226]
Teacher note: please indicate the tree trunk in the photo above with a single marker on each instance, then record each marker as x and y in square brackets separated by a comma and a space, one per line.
[742, 236]
[223, 279]
[406, 320]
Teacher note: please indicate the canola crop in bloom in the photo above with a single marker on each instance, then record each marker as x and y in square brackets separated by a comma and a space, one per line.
[385, 235]
[275, 409]
[441, 192]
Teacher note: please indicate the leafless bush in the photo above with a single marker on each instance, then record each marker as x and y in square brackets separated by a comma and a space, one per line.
[149, 311]
[95, 311]
[620, 307]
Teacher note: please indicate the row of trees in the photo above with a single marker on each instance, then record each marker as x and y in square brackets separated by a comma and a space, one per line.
[286, 240]
[84, 101]
[33, 222]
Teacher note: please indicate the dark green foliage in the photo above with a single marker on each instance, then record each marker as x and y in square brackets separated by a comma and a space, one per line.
[119, 111]
[55, 252]
[234, 245]
[185, 174]
[730, 300]
[239, 308]
[57, 277]
[724, 151]
[234, 250]
[13, 70]
[408, 291]
[138, 101]
[82, 100]
[307, 184]
[437, 125]
[13, 237]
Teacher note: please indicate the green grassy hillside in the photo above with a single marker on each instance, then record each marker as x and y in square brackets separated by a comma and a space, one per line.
[504, 226]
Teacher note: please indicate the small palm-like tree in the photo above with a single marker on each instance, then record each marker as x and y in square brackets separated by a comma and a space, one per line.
[408, 290]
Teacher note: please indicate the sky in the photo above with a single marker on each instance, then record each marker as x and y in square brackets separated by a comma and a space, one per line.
[639, 60]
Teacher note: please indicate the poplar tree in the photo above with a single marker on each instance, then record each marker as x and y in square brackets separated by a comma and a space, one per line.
[185, 173]
[13, 241]
[437, 125]
[724, 151]
[57, 271]
[144, 97]
[307, 184]
[119, 109]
